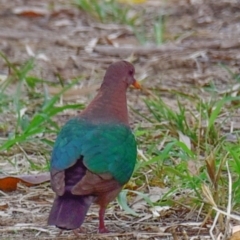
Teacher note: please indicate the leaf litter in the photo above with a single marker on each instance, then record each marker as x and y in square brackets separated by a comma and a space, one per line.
[9, 183]
[199, 34]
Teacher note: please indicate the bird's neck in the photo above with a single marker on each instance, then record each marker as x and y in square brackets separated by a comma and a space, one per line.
[109, 105]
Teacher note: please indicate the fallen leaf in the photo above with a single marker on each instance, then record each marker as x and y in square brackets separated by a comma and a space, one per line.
[184, 139]
[3, 206]
[3, 77]
[156, 210]
[3, 214]
[91, 45]
[9, 183]
[193, 167]
[63, 23]
[30, 51]
[40, 56]
[154, 195]
[30, 11]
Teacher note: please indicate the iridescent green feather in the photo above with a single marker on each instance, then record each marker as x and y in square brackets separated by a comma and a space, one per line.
[106, 148]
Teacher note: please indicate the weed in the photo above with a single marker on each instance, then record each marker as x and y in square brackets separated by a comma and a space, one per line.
[108, 11]
[35, 125]
[113, 11]
[188, 149]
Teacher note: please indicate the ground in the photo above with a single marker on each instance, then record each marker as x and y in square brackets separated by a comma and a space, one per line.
[200, 47]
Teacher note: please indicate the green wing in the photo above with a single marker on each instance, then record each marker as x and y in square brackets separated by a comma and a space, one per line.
[106, 148]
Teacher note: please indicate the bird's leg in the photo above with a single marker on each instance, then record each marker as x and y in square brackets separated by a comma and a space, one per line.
[102, 228]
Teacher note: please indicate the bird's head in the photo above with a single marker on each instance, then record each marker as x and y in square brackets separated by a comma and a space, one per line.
[121, 74]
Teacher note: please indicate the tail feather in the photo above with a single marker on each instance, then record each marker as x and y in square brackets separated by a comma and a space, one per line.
[68, 211]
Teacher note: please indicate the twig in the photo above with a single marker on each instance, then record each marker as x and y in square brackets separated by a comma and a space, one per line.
[126, 51]
[229, 207]
[213, 226]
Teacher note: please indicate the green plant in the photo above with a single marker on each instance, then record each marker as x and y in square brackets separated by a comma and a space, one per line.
[188, 149]
[34, 108]
[108, 11]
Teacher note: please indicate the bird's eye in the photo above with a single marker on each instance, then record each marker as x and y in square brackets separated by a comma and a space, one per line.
[131, 72]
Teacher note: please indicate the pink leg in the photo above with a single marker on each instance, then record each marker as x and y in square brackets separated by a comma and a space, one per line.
[102, 228]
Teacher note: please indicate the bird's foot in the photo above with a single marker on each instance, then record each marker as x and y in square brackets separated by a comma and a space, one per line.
[103, 230]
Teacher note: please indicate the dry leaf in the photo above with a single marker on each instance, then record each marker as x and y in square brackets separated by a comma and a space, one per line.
[9, 183]
[3, 206]
[3, 77]
[91, 45]
[28, 11]
[40, 56]
[211, 167]
[154, 195]
[30, 51]
[193, 167]
[208, 195]
[184, 139]
[157, 210]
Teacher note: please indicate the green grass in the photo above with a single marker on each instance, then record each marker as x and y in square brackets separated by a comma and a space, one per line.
[111, 11]
[31, 108]
[186, 149]
[108, 11]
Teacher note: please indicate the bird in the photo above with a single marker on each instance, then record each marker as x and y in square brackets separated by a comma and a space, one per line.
[95, 153]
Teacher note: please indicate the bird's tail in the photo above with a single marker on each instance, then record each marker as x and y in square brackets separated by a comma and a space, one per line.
[68, 212]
